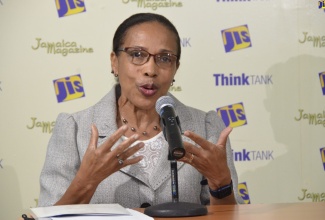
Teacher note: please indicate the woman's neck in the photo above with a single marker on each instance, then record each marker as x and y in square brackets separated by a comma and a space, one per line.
[144, 122]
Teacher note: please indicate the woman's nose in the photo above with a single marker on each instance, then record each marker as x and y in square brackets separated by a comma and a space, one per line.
[151, 67]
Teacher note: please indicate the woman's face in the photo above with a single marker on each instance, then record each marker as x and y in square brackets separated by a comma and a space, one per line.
[142, 85]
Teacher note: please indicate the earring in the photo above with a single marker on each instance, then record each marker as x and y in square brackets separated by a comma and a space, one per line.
[172, 82]
[115, 74]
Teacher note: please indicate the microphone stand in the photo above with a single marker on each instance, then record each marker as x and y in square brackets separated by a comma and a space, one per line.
[175, 208]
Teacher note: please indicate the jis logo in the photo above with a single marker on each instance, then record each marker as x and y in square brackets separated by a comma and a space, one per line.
[322, 81]
[322, 153]
[70, 7]
[236, 38]
[233, 115]
[69, 88]
[243, 192]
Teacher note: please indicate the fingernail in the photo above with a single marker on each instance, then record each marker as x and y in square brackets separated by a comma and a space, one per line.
[124, 127]
[135, 136]
[92, 128]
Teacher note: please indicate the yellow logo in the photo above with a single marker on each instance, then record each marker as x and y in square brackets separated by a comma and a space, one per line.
[69, 7]
[236, 38]
[68, 88]
[46, 126]
[61, 47]
[243, 192]
[233, 115]
[315, 197]
[154, 5]
[322, 153]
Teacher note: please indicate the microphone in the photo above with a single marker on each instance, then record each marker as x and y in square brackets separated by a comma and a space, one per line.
[172, 133]
[145, 205]
[171, 124]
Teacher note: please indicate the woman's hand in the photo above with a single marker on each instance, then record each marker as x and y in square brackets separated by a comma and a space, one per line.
[98, 163]
[209, 159]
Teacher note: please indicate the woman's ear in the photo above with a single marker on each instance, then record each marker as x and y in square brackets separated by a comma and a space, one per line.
[114, 62]
[177, 66]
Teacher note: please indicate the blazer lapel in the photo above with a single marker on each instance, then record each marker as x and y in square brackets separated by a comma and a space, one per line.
[104, 117]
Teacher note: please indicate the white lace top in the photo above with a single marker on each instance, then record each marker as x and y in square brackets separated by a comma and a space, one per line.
[151, 152]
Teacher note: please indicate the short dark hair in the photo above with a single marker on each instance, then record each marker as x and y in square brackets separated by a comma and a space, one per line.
[140, 18]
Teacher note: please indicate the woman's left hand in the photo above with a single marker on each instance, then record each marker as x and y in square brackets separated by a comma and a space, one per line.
[208, 158]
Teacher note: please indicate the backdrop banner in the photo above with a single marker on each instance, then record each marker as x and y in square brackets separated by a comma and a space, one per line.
[260, 64]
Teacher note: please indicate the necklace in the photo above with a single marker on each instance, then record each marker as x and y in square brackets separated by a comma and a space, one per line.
[124, 121]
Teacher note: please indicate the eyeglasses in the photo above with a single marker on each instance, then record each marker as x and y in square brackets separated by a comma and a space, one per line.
[139, 57]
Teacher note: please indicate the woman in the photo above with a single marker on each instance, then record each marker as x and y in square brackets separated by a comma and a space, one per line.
[115, 152]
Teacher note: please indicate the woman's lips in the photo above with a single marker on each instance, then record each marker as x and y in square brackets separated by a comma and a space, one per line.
[148, 89]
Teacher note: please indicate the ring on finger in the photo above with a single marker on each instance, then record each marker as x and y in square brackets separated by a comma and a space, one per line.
[120, 161]
[191, 159]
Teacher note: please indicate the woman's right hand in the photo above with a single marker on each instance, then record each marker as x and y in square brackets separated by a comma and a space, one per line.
[98, 163]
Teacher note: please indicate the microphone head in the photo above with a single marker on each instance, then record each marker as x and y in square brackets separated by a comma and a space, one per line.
[163, 101]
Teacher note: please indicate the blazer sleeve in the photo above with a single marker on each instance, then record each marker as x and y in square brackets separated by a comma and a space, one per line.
[62, 161]
[214, 126]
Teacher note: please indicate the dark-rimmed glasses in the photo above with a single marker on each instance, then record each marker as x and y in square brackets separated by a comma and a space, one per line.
[139, 57]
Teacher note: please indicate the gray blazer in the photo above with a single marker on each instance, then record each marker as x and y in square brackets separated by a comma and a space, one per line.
[129, 187]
